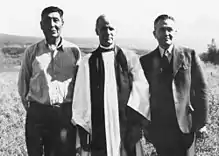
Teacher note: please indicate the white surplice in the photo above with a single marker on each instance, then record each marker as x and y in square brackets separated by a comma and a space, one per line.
[138, 100]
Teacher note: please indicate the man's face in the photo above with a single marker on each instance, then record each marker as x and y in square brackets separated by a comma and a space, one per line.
[106, 32]
[51, 24]
[164, 32]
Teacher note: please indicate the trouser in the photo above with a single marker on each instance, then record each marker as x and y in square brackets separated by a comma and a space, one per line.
[172, 142]
[49, 130]
[178, 150]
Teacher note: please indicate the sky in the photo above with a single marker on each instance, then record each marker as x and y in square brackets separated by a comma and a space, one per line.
[197, 20]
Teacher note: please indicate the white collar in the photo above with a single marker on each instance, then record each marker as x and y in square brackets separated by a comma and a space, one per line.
[169, 50]
[53, 47]
[109, 47]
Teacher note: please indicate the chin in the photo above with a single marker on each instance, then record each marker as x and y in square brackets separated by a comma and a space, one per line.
[55, 35]
[107, 44]
[167, 44]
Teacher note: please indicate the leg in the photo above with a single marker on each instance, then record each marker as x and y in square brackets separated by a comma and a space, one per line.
[62, 133]
[67, 140]
[168, 142]
[191, 150]
[33, 137]
[183, 146]
[189, 143]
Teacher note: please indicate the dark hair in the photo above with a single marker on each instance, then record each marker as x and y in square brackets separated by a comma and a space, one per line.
[163, 17]
[50, 9]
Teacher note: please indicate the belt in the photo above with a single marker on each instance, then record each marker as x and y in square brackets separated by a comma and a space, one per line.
[55, 105]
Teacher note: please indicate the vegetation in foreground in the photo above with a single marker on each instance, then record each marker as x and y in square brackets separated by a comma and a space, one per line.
[12, 116]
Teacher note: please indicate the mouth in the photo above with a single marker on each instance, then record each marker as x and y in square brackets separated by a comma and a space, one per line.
[53, 31]
[108, 38]
[166, 38]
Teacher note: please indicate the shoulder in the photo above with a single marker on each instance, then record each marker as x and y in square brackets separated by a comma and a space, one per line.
[148, 56]
[129, 54]
[73, 47]
[190, 54]
[84, 60]
[68, 44]
[37, 44]
[184, 49]
[32, 49]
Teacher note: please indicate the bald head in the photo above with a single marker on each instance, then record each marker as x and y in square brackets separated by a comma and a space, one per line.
[105, 30]
[100, 18]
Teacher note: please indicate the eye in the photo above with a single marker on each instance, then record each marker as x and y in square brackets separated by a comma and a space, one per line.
[111, 28]
[164, 29]
[107, 28]
[56, 20]
[169, 29]
[103, 29]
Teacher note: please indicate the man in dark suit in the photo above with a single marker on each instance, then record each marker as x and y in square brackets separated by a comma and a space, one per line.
[177, 87]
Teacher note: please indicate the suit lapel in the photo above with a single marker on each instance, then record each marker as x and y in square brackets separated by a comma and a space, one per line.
[177, 60]
[156, 60]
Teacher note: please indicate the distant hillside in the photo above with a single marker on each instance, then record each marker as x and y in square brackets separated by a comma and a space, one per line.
[14, 39]
[86, 44]
[131, 42]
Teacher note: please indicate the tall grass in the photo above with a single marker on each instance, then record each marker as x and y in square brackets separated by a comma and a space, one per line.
[12, 117]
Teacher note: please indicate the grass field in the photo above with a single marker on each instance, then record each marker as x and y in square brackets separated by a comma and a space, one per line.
[12, 115]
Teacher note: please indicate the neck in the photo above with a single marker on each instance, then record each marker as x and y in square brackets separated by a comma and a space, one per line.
[53, 41]
[165, 47]
[108, 47]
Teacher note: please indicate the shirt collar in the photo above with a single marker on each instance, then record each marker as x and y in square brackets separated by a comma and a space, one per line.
[169, 50]
[59, 46]
[109, 47]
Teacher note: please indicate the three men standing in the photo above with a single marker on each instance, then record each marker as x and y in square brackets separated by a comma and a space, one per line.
[111, 100]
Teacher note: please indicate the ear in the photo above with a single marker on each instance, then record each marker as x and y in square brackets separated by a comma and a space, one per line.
[97, 33]
[41, 25]
[63, 22]
[154, 33]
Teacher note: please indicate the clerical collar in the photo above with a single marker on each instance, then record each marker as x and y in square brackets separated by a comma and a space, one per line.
[163, 50]
[107, 48]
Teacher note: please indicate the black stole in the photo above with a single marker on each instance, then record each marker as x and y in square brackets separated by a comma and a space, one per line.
[127, 116]
[124, 85]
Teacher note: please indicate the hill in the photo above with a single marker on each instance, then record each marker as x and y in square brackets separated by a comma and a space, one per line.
[130, 43]
[6, 39]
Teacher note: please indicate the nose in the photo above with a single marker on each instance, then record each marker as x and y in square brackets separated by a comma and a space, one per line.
[52, 23]
[108, 31]
[166, 32]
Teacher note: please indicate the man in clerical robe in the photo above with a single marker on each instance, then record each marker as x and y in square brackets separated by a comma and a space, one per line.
[111, 98]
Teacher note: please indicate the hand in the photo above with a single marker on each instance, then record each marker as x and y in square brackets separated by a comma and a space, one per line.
[203, 132]
[84, 138]
[25, 103]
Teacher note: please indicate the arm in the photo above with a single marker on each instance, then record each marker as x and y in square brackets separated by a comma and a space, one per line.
[24, 78]
[198, 94]
[77, 54]
[139, 96]
[139, 112]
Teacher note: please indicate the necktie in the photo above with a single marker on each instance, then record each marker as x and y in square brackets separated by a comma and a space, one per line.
[165, 60]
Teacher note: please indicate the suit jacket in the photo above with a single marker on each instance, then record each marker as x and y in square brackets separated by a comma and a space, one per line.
[188, 86]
